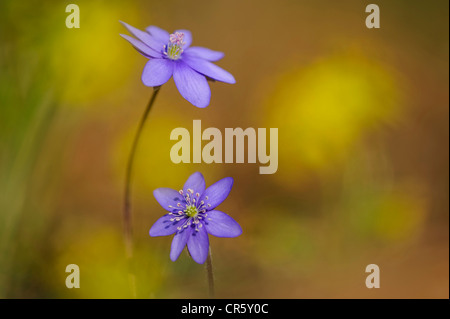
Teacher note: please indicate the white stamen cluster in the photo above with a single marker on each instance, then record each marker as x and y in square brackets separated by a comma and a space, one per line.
[192, 211]
[174, 48]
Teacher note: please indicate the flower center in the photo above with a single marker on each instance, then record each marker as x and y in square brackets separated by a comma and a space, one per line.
[174, 48]
[191, 211]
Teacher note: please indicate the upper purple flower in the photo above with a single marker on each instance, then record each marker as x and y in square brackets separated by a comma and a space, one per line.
[192, 216]
[171, 54]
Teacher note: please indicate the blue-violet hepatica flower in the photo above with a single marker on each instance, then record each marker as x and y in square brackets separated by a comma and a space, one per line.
[192, 216]
[172, 55]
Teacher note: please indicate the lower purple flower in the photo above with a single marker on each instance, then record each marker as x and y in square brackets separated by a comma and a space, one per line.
[192, 216]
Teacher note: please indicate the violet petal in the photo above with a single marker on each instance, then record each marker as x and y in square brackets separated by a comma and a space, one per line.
[159, 34]
[220, 224]
[198, 245]
[142, 47]
[157, 72]
[144, 37]
[204, 53]
[209, 69]
[169, 198]
[195, 182]
[164, 226]
[192, 85]
[179, 241]
[217, 192]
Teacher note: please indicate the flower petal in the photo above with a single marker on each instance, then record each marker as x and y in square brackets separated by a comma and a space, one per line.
[220, 224]
[198, 245]
[159, 34]
[195, 182]
[165, 227]
[217, 192]
[150, 41]
[179, 241]
[168, 198]
[187, 38]
[209, 69]
[204, 53]
[141, 47]
[192, 85]
[157, 72]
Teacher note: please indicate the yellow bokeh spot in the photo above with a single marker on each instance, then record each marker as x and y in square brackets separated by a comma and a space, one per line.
[92, 61]
[399, 216]
[100, 256]
[322, 110]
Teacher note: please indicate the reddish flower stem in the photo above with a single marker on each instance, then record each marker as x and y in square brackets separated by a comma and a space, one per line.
[210, 274]
[128, 233]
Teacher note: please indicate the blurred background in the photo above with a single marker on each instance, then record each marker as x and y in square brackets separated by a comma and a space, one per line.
[363, 149]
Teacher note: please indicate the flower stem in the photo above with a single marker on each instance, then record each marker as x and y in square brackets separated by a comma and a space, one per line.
[127, 206]
[210, 274]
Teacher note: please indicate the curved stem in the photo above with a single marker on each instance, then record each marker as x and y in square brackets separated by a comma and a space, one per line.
[210, 274]
[127, 206]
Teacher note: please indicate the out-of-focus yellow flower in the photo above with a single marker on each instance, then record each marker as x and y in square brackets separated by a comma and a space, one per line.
[398, 216]
[386, 216]
[90, 62]
[103, 268]
[324, 109]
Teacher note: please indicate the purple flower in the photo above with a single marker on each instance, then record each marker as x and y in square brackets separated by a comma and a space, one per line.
[172, 54]
[192, 216]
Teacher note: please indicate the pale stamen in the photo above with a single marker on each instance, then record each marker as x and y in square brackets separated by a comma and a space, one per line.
[174, 48]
